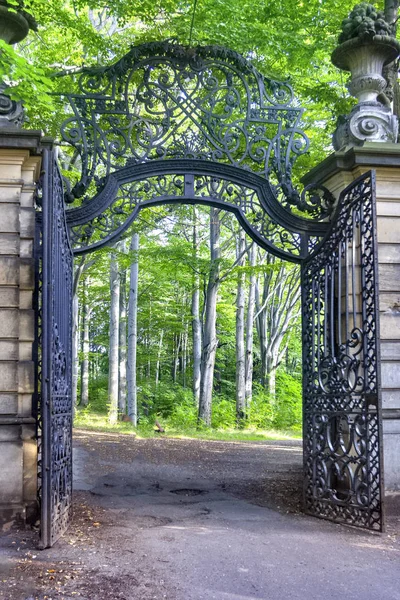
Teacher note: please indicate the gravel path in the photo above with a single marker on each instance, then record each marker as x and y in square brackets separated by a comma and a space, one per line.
[197, 520]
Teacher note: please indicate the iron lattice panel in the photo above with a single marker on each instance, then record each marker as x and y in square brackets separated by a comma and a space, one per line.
[341, 392]
[56, 376]
[164, 103]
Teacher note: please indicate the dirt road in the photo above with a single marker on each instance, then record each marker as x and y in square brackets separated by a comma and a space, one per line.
[196, 520]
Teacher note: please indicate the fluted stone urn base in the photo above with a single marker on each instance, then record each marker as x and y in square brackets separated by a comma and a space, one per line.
[370, 120]
[367, 122]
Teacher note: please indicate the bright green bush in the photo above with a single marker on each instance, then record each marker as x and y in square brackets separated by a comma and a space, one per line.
[223, 414]
[288, 407]
[98, 393]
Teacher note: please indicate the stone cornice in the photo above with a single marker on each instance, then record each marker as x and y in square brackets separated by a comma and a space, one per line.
[373, 154]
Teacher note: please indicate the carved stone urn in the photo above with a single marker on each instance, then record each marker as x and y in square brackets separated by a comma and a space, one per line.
[371, 119]
[14, 27]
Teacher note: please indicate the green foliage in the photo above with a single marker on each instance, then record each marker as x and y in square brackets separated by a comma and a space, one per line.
[183, 416]
[287, 410]
[224, 413]
[161, 400]
[24, 83]
[286, 40]
[98, 393]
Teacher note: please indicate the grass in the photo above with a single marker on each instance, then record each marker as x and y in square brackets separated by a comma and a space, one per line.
[99, 422]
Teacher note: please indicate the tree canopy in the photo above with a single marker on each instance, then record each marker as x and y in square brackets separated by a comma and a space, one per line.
[286, 40]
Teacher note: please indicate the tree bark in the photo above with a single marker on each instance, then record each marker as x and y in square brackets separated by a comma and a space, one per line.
[177, 340]
[158, 365]
[113, 340]
[250, 329]
[240, 352]
[132, 331]
[276, 314]
[195, 310]
[210, 340]
[75, 332]
[184, 354]
[85, 349]
[122, 347]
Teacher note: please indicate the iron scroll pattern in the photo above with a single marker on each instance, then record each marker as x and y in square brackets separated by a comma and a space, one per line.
[341, 380]
[169, 188]
[56, 365]
[163, 101]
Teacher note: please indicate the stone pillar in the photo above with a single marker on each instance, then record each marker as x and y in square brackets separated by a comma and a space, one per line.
[19, 171]
[336, 172]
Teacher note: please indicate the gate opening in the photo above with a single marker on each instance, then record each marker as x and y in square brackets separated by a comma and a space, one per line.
[169, 124]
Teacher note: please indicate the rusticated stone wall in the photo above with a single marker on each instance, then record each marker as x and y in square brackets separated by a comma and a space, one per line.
[19, 171]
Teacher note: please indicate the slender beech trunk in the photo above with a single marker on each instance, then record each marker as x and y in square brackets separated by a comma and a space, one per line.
[148, 340]
[75, 332]
[160, 343]
[122, 347]
[75, 349]
[132, 330]
[276, 313]
[250, 328]
[184, 355]
[240, 352]
[85, 348]
[113, 340]
[195, 310]
[177, 341]
[210, 340]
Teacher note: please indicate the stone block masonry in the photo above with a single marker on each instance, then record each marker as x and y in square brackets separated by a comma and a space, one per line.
[19, 171]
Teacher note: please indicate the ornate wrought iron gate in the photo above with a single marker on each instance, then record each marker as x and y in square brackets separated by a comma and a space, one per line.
[342, 450]
[55, 357]
[169, 124]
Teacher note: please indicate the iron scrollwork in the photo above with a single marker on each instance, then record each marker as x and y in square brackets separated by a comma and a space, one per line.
[167, 188]
[55, 377]
[341, 370]
[163, 102]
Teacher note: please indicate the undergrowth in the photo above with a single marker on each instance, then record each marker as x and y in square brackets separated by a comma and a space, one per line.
[268, 418]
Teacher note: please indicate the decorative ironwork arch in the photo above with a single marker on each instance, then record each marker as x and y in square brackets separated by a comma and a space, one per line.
[169, 123]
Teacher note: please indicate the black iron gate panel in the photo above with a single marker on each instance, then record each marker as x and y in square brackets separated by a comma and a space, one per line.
[55, 398]
[341, 380]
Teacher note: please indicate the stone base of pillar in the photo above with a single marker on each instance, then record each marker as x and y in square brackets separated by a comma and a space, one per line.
[336, 172]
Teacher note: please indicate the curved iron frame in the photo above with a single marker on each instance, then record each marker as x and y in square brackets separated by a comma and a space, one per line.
[340, 342]
[189, 168]
[165, 109]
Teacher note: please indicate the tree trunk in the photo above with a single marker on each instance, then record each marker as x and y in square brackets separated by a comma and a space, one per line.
[240, 353]
[195, 310]
[175, 356]
[113, 340]
[159, 356]
[75, 332]
[250, 329]
[132, 330]
[75, 349]
[85, 350]
[184, 355]
[210, 341]
[122, 346]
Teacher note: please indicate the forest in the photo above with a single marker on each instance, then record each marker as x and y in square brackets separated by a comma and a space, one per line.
[186, 321]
